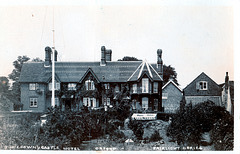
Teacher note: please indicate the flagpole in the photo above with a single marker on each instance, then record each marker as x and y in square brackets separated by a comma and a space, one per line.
[53, 66]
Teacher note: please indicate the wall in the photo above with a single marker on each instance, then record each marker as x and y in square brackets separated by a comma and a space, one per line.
[172, 103]
[26, 94]
[198, 99]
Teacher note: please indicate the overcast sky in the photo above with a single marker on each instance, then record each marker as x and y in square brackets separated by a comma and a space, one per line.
[194, 38]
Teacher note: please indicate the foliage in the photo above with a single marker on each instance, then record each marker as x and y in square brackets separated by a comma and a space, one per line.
[155, 136]
[137, 128]
[222, 133]
[169, 73]
[191, 122]
[15, 75]
[37, 59]
[127, 58]
[21, 130]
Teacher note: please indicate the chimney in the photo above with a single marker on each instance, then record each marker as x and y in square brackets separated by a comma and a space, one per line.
[56, 54]
[108, 55]
[103, 56]
[226, 81]
[159, 62]
[48, 51]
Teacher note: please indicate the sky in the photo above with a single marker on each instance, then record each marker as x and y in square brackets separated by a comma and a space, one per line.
[194, 37]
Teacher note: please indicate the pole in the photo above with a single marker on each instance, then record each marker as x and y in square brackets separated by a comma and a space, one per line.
[53, 66]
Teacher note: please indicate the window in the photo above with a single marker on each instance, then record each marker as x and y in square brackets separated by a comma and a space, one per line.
[107, 86]
[33, 102]
[155, 87]
[155, 104]
[56, 87]
[145, 103]
[33, 86]
[108, 101]
[134, 88]
[56, 101]
[117, 89]
[145, 83]
[89, 85]
[89, 102]
[164, 95]
[72, 86]
[202, 85]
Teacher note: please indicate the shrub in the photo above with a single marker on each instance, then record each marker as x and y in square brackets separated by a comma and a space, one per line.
[137, 128]
[191, 122]
[155, 136]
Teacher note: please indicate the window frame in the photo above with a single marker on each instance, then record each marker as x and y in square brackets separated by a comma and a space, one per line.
[89, 85]
[32, 86]
[145, 83]
[134, 86]
[202, 85]
[56, 87]
[164, 95]
[33, 100]
[71, 87]
[155, 87]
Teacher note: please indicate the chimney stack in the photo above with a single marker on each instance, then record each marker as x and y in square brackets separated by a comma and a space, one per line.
[56, 54]
[226, 81]
[103, 56]
[48, 52]
[159, 62]
[108, 55]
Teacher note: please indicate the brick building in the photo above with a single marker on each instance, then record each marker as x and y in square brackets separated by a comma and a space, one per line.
[92, 84]
[171, 97]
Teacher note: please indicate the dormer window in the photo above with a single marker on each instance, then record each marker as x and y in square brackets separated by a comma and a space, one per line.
[89, 85]
[56, 87]
[145, 85]
[72, 86]
[202, 85]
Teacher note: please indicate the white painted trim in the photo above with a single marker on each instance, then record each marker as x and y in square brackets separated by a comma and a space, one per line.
[156, 72]
[134, 72]
[141, 70]
[149, 69]
[170, 81]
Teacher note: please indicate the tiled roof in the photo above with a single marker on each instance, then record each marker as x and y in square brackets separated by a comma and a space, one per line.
[118, 71]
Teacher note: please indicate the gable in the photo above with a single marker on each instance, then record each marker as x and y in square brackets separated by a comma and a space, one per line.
[170, 85]
[212, 87]
[89, 75]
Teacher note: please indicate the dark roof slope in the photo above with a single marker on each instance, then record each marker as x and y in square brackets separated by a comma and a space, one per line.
[118, 71]
[213, 88]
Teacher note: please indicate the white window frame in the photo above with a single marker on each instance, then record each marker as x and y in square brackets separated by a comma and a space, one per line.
[56, 87]
[203, 85]
[108, 101]
[89, 85]
[134, 88]
[72, 86]
[32, 86]
[164, 95]
[145, 85]
[145, 103]
[89, 101]
[33, 102]
[56, 101]
[155, 87]
[117, 89]
[107, 86]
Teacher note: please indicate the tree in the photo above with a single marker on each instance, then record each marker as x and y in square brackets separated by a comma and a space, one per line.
[37, 59]
[169, 73]
[127, 58]
[15, 75]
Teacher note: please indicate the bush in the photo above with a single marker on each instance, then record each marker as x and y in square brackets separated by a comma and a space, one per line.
[137, 128]
[155, 137]
[191, 122]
